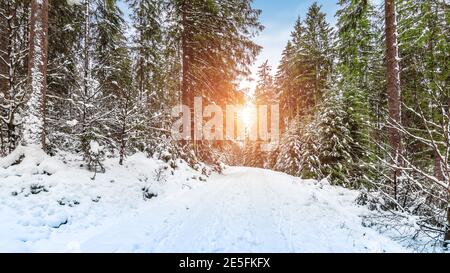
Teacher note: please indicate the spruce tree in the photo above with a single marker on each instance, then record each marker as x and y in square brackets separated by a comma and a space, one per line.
[265, 91]
[356, 49]
[284, 83]
[355, 39]
[333, 142]
[317, 51]
[215, 41]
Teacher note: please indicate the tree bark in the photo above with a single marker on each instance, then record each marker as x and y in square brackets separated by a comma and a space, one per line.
[86, 75]
[186, 52]
[4, 42]
[34, 124]
[8, 66]
[187, 92]
[393, 88]
[438, 166]
[447, 228]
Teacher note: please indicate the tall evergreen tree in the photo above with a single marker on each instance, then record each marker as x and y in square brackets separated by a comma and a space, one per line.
[215, 41]
[285, 86]
[306, 64]
[356, 50]
[317, 49]
[155, 63]
[355, 39]
[265, 91]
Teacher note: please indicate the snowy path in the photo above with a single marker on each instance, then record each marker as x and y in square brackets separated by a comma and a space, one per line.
[245, 210]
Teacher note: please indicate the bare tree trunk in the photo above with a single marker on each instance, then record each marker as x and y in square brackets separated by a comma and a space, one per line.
[123, 133]
[86, 75]
[438, 166]
[142, 79]
[34, 123]
[12, 29]
[393, 87]
[187, 95]
[122, 145]
[447, 228]
[8, 64]
[186, 52]
[5, 34]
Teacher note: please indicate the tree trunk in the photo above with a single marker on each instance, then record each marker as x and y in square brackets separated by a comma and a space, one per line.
[4, 48]
[186, 52]
[122, 148]
[34, 123]
[187, 95]
[12, 29]
[447, 228]
[438, 166]
[393, 88]
[123, 132]
[8, 65]
[86, 75]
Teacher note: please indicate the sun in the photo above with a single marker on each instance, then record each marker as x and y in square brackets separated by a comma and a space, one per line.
[247, 114]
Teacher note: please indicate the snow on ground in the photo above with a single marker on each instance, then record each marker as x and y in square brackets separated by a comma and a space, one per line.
[56, 207]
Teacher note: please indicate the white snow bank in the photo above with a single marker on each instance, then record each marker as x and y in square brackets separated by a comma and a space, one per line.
[41, 196]
[29, 159]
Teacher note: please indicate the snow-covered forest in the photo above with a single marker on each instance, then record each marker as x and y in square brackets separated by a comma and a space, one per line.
[88, 161]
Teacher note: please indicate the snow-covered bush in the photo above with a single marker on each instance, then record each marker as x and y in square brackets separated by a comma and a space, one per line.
[289, 158]
[95, 156]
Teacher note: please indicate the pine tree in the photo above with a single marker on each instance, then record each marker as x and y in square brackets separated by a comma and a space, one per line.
[146, 22]
[306, 64]
[284, 83]
[215, 41]
[216, 48]
[265, 93]
[355, 39]
[265, 96]
[127, 115]
[333, 139]
[356, 50]
[320, 146]
[97, 74]
[318, 52]
[155, 75]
